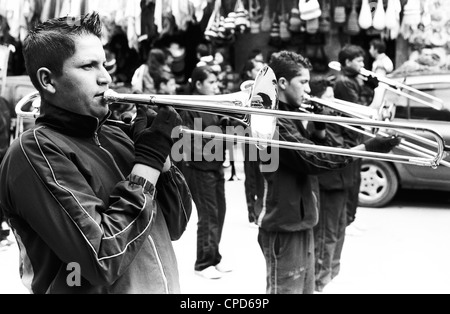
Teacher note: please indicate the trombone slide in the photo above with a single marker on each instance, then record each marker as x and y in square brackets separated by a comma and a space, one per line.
[260, 103]
[395, 86]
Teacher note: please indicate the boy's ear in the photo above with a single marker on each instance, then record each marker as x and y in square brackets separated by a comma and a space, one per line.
[282, 83]
[45, 80]
[198, 84]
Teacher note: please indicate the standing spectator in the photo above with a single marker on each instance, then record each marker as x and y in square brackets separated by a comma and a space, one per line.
[15, 59]
[127, 59]
[165, 83]
[93, 210]
[257, 55]
[143, 78]
[254, 181]
[350, 87]
[204, 173]
[382, 64]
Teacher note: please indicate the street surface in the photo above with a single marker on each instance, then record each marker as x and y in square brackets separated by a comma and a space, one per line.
[405, 249]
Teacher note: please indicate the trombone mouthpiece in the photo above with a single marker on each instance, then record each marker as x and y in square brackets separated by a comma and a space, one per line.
[110, 96]
[335, 65]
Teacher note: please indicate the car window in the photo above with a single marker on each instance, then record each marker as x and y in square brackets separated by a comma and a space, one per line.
[411, 109]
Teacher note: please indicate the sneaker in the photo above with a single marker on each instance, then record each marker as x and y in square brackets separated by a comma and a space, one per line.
[209, 273]
[5, 244]
[223, 267]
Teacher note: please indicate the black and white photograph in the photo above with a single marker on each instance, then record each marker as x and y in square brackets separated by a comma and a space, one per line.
[224, 151]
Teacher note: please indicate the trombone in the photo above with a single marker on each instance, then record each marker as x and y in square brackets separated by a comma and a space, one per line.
[385, 112]
[364, 112]
[396, 87]
[259, 103]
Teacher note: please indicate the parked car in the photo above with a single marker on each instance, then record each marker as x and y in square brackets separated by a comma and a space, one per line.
[380, 179]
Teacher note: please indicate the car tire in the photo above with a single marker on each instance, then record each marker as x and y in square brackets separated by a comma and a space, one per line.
[379, 184]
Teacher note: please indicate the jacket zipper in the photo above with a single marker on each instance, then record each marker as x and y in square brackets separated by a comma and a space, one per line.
[97, 142]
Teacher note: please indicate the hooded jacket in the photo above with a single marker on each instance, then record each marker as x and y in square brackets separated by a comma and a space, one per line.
[66, 190]
[291, 193]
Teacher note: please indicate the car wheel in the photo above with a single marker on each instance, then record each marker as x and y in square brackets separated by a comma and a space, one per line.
[379, 184]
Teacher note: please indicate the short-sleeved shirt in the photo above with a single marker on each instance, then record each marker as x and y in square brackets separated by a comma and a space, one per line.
[383, 63]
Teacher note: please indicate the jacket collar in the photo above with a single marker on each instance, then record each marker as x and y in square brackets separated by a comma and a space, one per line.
[67, 122]
[349, 72]
[286, 107]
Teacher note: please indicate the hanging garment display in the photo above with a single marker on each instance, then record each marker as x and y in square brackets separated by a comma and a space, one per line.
[266, 22]
[352, 23]
[379, 18]
[411, 18]
[242, 17]
[325, 18]
[275, 39]
[221, 30]
[199, 7]
[340, 15]
[255, 14]
[294, 21]
[393, 11]
[285, 34]
[309, 9]
[365, 15]
[183, 13]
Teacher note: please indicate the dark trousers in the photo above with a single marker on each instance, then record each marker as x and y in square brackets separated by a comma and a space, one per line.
[208, 193]
[353, 191]
[329, 235]
[254, 187]
[289, 261]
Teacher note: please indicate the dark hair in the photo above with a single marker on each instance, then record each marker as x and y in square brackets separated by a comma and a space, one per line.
[254, 53]
[288, 64]
[248, 66]
[156, 58]
[203, 50]
[318, 85]
[350, 52]
[379, 45]
[51, 43]
[162, 77]
[200, 74]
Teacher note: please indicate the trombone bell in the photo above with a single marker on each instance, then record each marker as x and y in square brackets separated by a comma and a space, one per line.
[264, 95]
